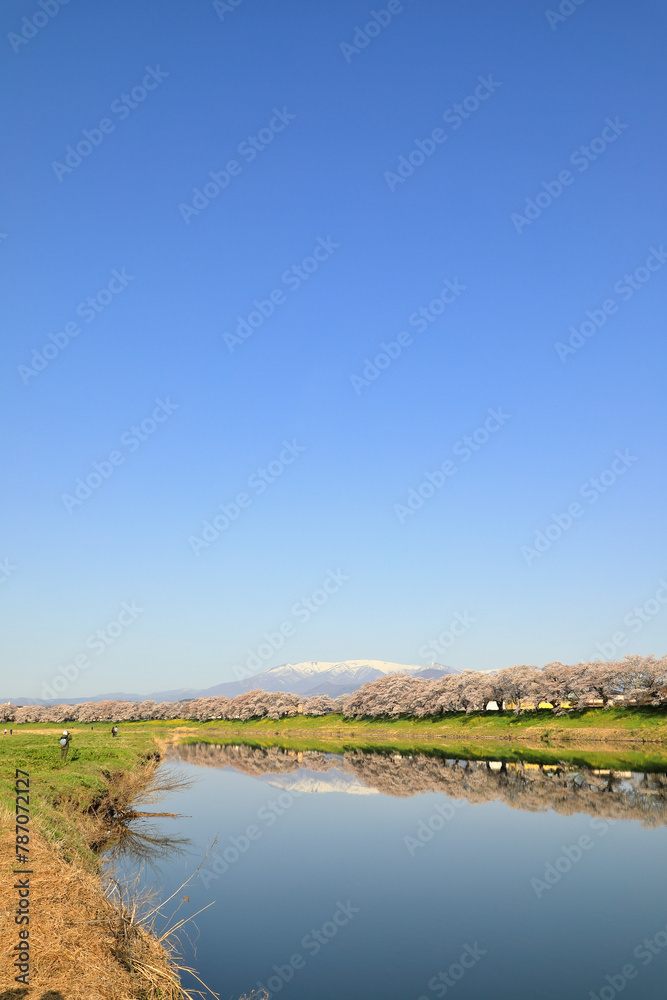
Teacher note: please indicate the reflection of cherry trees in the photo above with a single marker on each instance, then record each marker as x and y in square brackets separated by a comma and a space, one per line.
[638, 680]
[531, 787]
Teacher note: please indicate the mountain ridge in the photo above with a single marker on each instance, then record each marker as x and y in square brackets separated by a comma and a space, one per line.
[308, 678]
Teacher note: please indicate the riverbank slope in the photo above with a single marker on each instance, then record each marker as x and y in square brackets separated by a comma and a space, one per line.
[616, 738]
[81, 943]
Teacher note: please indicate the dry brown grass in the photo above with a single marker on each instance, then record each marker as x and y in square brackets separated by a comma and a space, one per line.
[90, 940]
[75, 941]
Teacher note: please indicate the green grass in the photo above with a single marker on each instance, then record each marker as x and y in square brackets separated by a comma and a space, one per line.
[632, 739]
[332, 734]
[635, 723]
[619, 760]
[93, 755]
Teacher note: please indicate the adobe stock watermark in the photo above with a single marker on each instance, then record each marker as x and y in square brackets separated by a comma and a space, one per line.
[465, 448]
[312, 943]
[7, 569]
[635, 620]
[131, 440]
[626, 288]
[249, 149]
[292, 279]
[581, 158]
[644, 952]
[443, 981]
[591, 491]
[454, 116]
[566, 9]
[420, 320]
[457, 627]
[363, 36]
[236, 847]
[31, 26]
[426, 830]
[302, 610]
[258, 482]
[98, 642]
[571, 855]
[223, 7]
[122, 108]
[88, 310]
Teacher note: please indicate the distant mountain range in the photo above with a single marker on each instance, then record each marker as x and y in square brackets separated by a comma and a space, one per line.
[309, 678]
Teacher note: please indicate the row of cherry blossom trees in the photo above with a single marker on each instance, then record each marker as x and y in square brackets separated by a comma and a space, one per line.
[639, 680]
[251, 705]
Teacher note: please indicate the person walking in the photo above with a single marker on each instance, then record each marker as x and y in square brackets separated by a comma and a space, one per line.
[65, 740]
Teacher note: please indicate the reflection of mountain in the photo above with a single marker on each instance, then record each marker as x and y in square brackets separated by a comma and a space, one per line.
[329, 781]
[536, 788]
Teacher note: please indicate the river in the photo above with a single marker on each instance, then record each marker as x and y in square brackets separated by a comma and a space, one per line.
[406, 877]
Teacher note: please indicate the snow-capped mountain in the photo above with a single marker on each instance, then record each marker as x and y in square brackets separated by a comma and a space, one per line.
[323, 677]
[348, 674]
[308, 678]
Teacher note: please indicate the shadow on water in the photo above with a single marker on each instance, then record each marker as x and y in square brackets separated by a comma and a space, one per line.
[563, 788]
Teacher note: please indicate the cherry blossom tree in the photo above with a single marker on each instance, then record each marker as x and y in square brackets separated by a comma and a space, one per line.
[641, 678]
[601, 679]
[519, 681]
[29, 713]
[387, 697]
[319, 704]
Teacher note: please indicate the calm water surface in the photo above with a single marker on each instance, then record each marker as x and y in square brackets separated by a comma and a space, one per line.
[406, 877]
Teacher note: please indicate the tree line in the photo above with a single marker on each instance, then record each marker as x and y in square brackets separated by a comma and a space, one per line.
[634, 680]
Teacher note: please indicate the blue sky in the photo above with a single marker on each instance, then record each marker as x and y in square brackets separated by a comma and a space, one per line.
[480, 205]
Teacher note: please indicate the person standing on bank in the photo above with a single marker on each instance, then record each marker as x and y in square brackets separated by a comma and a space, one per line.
[65, 740]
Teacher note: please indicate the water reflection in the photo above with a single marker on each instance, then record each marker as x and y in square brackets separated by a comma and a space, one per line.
[141, 841]
[625, 795]
[128, 831]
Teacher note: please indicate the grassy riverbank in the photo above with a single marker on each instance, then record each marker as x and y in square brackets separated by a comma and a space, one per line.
[82, 943]
[622, 739]
[62, 794]
[608, 725]
[80, 938]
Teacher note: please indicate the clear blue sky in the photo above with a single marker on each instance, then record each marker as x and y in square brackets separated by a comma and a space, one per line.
[331, 125]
